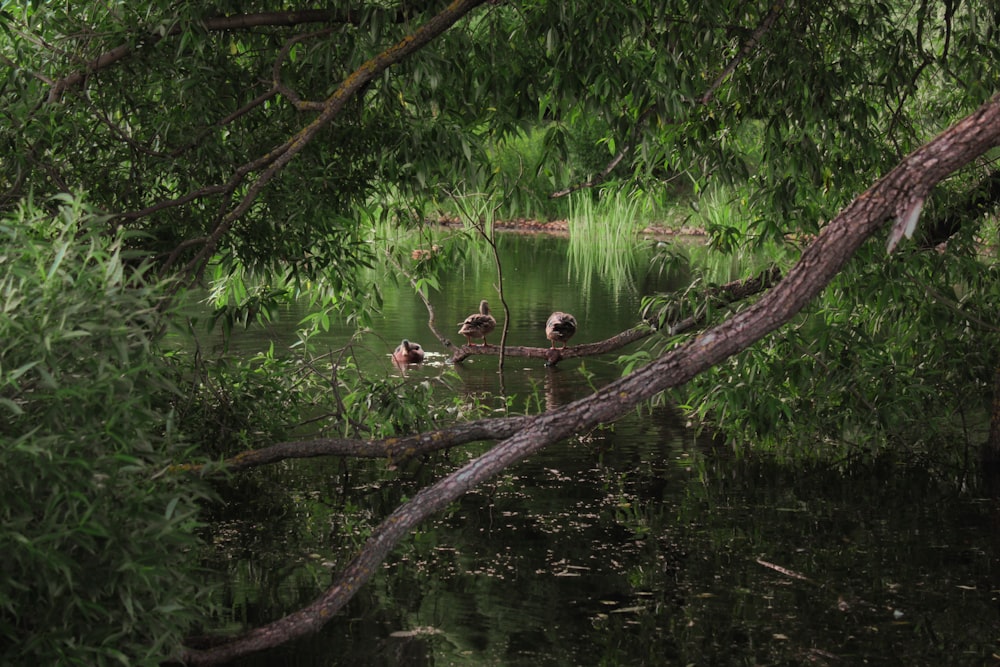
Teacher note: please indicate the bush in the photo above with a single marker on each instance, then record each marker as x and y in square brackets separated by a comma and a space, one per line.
[98, 535]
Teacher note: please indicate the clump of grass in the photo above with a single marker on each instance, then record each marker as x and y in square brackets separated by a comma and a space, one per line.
[724, 217]
[602, 238]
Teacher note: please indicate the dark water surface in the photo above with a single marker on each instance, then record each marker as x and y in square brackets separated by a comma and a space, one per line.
[639, 543]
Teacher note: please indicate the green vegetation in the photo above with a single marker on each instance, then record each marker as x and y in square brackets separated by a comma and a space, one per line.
[269, 154]
[97, 532]
[859, 377]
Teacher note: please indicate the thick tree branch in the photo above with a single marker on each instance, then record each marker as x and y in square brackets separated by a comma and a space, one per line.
[395, 450]
[399, 449]
[820, 262]
[283, 154]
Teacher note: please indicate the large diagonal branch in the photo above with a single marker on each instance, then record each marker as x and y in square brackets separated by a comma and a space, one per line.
[401, 448]
[820, 262]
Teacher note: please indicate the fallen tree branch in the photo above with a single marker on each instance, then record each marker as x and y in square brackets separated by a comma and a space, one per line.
[399, 449]
[553, 356]
[395, 450]
[729, 293]
[820, 262]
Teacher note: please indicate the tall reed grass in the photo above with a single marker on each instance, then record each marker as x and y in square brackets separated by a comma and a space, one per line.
[602, 239]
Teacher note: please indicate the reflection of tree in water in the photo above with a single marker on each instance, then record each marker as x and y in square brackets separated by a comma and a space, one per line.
[533, 562]
[480, 377]
[558, 391]
[635, 544]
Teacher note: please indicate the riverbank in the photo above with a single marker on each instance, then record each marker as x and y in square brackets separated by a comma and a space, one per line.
[559, 227]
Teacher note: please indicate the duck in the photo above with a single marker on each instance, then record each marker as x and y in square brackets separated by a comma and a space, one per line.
[478, 325]
[560, 327]
[408, 353]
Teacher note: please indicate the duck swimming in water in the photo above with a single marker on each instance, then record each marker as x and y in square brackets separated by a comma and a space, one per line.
[560, 327]
[478, 325]
[408, 353]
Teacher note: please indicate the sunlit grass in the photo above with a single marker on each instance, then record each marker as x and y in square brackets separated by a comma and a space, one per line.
[603, 239]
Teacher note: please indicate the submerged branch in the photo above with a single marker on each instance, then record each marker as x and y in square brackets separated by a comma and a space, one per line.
[399, 449]
[395, 450]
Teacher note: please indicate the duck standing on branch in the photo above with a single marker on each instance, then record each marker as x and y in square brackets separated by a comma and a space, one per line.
[560, 327]
[408, 353]
[478, 325]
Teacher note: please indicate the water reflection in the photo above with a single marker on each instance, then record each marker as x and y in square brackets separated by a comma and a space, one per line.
[622, 546]
[559, 389]
[539, 279]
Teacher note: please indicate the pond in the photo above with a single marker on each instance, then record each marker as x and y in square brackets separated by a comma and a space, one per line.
[638, 543]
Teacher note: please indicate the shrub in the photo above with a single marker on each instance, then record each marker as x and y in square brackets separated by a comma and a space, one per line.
[98, 535]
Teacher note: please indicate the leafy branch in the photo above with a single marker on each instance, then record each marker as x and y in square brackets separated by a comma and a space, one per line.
[765, 25]
[271, 163]
[211, 24]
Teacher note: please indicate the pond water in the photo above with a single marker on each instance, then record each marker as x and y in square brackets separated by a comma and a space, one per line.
[639, 543]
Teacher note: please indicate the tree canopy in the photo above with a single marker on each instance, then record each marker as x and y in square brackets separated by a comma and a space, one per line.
[185, 121]
[250, 137]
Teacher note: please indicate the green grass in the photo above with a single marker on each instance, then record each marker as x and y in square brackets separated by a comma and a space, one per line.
[602, 238]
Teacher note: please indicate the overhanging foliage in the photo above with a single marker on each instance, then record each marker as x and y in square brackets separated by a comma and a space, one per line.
[254, 138]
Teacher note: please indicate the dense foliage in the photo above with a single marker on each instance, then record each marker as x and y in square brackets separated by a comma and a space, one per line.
[861, 372]
[228, 141]
[823, 98]
[97, 534]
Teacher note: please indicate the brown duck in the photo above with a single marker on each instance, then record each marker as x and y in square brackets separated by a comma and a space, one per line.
[408, 353]
[478, 325]
[560, 327]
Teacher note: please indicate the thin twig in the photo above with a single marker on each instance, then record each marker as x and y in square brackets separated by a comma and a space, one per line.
[423, 297]
[748, 46]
